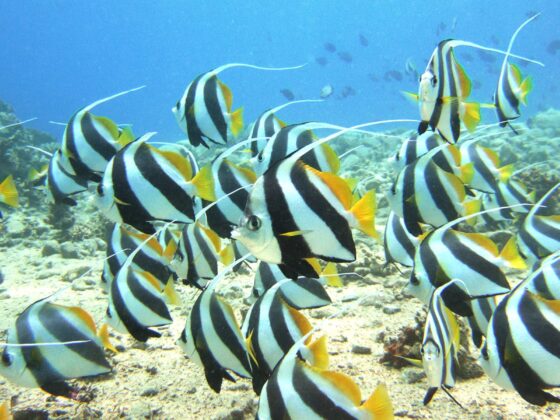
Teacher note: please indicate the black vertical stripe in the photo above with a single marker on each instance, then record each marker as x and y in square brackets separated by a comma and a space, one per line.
[430, 263]
[319, 205]
[145, 296]
[438, 192]
[214, 109]
[279, 144]
[227, 178]
[166, 185]
[196, 137]
[411, 214]
[105, 147]
[275, 399]
[540, 328]
[209, 255]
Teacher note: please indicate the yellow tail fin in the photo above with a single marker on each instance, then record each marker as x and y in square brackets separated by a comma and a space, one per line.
[227, 254]
[104, 336]
[364, 213]
[8, 192]
[510, 255]
[331, 274]
[505, 172]
[467, 172]
[379, 404]
[472, 207]
[203, 184]
[236, 121]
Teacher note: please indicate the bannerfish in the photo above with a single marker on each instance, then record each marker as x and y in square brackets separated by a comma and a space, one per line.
[544, 278]
[231, 183]
[296, 212]
[304, 293]
[330, 47]
[199, 251]
[8, 192]
[90, 141]
[268, 124]
[445, 254]
[301, 386]
[288, 94]
[440, 346]
[212, 338]
[486, 166]
[345, 56]
[539, 234]
[425, 193]
[399, 244]
[291, 138]
[143, 184]
[522, 349]
[512, 89]
[62, 182]
[271, 327]
[52, 343]
[322, 61]
[152, 256]
[414, 147]
[364, 42]
[507, 194]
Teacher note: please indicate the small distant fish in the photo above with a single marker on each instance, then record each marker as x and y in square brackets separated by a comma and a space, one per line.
[486, 57]
[345, 56]
[322, 61]
[539, 234]
[8, 192]
[373, 77]
[553, 47]
[364, 42]
[288, 94]
[392, 75]
[72, 348]
[410, 69]
[347, 91]
[440, 28]
[326, 91]
[330, 47]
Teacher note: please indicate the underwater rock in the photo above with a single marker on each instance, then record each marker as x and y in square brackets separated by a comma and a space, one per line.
[69, 250]
[412, 375]
[357, 349]
[50, 247]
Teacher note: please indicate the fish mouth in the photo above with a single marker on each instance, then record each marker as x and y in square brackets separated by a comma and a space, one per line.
[235, 234]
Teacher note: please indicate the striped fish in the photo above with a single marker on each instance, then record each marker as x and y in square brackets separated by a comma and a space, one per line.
[487, 171]
[399, 244]
[151, 257]
[62, 182]
[414, 147]
[271, 327]
[143, 184]
[228, 177]
[212, 338]
[512, 89]
[444, 88]
[544, 279]
[425, 193]
[482, 310]
[304, 293]
[50, 344]
[506, 194]
[522, 350]
[8, 192]
[539, 234]
[296, 212]
[291, 138]
[199, 251]
[303, 387]
[440, 346]
[90, 141]
[445, 254]
[204, 112]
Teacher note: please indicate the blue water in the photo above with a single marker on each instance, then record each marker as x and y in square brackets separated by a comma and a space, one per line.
[60, 55]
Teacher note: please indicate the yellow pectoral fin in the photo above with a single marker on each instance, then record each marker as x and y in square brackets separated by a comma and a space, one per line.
[413, 97]
[122, 203]
[250, 349]
[295, 233]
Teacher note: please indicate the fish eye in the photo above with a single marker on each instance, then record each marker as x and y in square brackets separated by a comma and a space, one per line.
[434, 80]
[414, 280]
[253, 223]
[100, 189]
[260, 157]
[7, 358]
[183, 337]
[108, 312]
